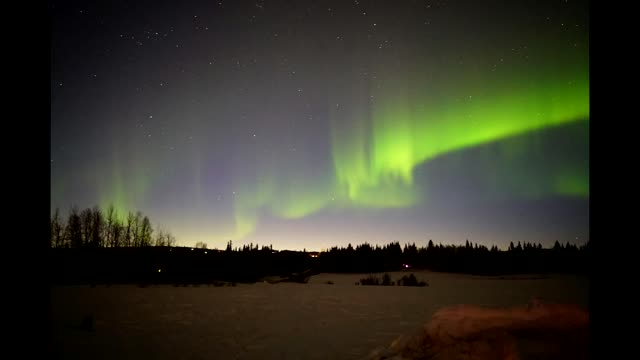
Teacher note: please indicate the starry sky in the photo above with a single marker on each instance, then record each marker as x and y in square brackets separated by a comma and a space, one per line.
[309, 124]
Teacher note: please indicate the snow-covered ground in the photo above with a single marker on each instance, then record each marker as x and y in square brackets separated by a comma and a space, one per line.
[279, 321]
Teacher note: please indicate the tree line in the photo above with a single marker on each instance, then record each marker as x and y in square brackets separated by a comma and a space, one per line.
[94, 228]
[467, 258]
[93, 240]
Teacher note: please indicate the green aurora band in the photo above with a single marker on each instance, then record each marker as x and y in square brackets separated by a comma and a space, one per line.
[376, 149]
[378, 170]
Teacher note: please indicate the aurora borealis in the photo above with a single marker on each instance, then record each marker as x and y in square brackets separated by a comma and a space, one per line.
[310, 124]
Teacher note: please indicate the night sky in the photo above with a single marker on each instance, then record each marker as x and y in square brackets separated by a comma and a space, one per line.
[308, 124]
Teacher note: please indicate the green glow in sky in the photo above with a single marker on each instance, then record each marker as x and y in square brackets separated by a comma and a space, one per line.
[375, 151]
[376, 146]
[374, 164]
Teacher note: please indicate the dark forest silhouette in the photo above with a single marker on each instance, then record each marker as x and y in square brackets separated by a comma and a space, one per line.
[95, 247]
[94, 228]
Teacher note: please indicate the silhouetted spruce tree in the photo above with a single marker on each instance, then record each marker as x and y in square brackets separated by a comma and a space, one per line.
[137, 226]
[127, 236]
[110, 219]
[117, 233]
[86, 218]
[146, 232]
[57, 230]
[74, 228]
[96, 227]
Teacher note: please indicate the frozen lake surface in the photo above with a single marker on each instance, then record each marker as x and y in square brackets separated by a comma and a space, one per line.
[279, 321]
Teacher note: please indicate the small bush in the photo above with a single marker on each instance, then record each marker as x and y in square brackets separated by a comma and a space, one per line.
[373, 280]
[386, 280]
[370, 280]
[411, 280]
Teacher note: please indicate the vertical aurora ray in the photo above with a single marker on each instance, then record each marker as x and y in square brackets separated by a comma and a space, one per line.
[127, 190]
